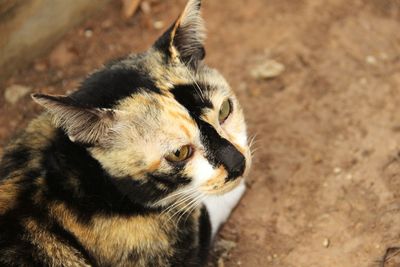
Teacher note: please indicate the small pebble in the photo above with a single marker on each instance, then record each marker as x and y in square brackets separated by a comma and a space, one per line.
[15, 92]
[158, 24]
[337, 170]
[371, 60]
[326, 243]
[267, 70]
[88, 33]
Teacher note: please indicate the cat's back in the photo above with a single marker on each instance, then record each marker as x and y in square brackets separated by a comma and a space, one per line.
[22, 187]
[20, 165]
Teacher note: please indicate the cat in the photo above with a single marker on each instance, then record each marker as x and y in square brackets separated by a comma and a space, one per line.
[138, 167]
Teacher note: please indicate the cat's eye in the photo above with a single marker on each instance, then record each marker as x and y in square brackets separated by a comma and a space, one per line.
[181, 154]
[225, 110]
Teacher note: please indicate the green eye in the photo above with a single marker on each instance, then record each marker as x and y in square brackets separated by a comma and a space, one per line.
[181, 154]
[225, 110]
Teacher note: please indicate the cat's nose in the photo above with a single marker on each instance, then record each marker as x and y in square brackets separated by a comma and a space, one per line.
[236, 167]
[233, 161]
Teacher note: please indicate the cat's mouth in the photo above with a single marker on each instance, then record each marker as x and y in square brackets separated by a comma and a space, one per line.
[221, 188]
[218, 185]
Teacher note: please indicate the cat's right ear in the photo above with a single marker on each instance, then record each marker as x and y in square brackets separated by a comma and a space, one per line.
[81, 124]
[184, 40]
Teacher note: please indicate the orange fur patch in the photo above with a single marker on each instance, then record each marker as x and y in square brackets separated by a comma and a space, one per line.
[217, 185]
[185, 130]
[154, 166]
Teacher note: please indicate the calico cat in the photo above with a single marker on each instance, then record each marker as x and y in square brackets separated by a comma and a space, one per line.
[138, 167]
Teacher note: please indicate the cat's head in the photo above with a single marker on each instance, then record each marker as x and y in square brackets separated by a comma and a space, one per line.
[160, 119]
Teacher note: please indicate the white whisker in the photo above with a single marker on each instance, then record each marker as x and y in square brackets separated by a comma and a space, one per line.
[199, 91]
[183, 198]
[176, 194]
[183, 208]
[179, 201]
[196, 204]
[188, 208]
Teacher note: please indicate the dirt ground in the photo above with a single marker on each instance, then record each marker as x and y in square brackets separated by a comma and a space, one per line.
[325, 185]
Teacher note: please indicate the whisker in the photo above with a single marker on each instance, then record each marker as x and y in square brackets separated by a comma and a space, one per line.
[196, 204]
[253, 140]
[180, 192]
[199, 91]
[177, 194]
[182, 199]
[179, 201]
[185, 208]
[188, 208]
[182, 209]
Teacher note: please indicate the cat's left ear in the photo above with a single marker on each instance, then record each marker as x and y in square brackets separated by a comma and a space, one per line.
[81, 124]
[184, 40]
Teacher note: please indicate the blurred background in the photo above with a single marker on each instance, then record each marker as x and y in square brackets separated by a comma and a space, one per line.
[319, 81]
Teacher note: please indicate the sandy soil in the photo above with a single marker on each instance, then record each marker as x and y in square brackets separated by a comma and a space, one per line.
[325, 184]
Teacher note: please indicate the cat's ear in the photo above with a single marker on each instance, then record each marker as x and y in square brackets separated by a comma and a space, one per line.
[83, 125]
[184, 40]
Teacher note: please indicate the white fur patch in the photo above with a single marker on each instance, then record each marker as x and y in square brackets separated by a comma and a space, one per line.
[242, 139]
[204, 170]
[220, 207]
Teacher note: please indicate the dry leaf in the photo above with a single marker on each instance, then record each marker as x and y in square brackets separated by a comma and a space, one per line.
[129, 8]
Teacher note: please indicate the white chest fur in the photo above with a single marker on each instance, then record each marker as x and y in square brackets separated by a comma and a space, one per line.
[220, 207]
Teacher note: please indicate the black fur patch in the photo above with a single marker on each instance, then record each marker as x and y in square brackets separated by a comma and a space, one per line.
[104, 88]
[154, 188]
[186, 247]
[13, 160]
[204, 236]
[192, 98]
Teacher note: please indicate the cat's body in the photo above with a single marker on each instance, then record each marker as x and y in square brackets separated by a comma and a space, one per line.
[139, 167]
[58, 208]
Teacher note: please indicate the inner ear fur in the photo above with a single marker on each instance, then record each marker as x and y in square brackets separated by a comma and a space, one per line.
[81, 124]
[184, 40]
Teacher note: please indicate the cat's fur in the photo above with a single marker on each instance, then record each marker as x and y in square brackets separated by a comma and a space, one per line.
[87, 183]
